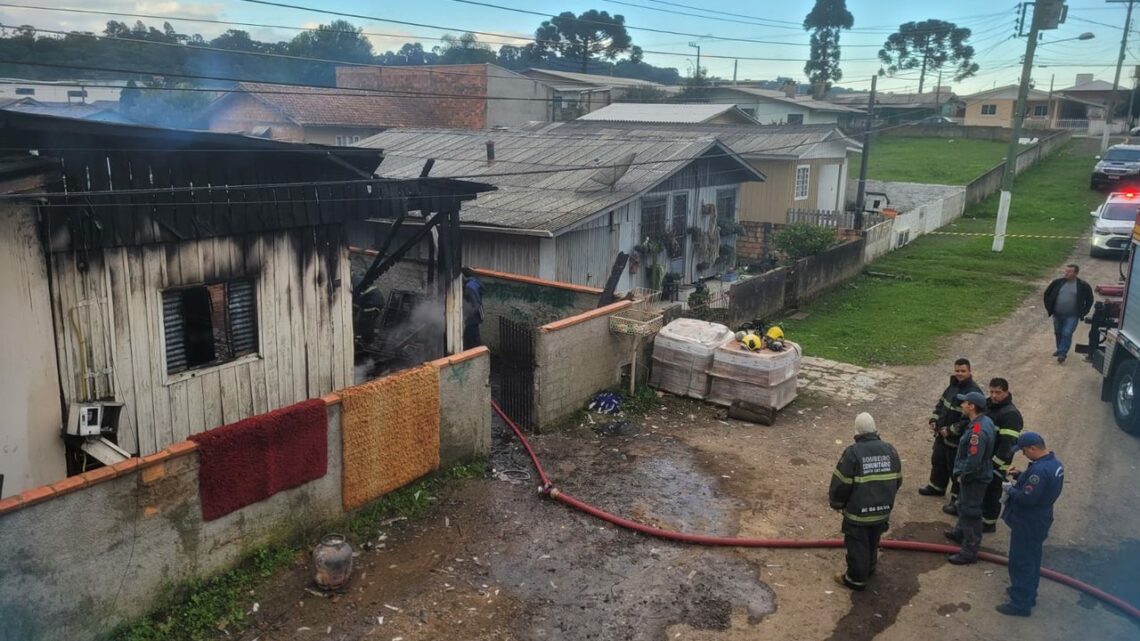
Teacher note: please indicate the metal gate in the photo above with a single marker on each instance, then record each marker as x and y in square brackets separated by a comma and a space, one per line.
[516, 377]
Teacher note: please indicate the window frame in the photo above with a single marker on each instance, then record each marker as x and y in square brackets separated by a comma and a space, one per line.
[796, 183]
[799, 119]
[992, 109]
[1043, 109]
[215, 365]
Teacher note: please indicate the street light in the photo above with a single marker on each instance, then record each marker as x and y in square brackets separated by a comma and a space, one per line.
[1088, 35]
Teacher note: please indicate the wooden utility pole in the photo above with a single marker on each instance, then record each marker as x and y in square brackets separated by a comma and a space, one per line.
[861, 195]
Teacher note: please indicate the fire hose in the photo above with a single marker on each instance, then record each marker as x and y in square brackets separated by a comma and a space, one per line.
[548, 489]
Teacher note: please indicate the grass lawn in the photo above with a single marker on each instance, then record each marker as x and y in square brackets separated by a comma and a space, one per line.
[905, 320]
[938, 161]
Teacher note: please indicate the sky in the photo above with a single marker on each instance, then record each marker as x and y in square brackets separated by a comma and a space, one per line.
[782, 46]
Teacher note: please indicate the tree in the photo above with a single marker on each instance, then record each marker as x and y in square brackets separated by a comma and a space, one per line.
[583, 37]
[826, 20]
[464, 50]
[339, 40]
[928, 46]
[644, 93]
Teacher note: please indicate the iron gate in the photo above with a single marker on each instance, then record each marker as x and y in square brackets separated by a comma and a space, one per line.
[516, 377]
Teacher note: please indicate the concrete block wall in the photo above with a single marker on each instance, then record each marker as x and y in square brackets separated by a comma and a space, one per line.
[576, 358]
[66, 548]
[759, 297]
[817, 274]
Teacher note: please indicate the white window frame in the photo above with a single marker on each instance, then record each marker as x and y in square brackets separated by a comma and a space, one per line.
[993, 113]
[806, 183]
[1037, 108]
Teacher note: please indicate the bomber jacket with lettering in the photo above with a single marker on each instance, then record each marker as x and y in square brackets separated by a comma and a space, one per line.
[948, 412]
[973, 461]
[1008, 423]
[865, 481]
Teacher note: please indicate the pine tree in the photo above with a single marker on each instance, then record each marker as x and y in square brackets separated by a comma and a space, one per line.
[826, 20]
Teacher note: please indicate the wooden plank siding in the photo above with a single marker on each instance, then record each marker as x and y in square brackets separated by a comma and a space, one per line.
[769, 201]
[304, 320]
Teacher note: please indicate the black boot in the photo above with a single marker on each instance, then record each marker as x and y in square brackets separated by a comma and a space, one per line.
[926, 490]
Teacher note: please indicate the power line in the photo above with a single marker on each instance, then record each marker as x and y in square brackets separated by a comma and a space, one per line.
[886, 29]
[368, 181]
[514, 39]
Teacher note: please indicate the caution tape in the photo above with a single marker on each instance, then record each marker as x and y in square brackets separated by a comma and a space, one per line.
[965, 233]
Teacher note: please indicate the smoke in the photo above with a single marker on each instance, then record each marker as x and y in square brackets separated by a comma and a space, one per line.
[418, 339]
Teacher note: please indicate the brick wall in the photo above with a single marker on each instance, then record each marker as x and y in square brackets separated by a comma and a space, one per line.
[576, 358]
[457, 93]
[752, 244]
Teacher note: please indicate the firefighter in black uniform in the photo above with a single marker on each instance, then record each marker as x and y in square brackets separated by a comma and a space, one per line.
[1008, 423]
[863, 486]
[946, 422]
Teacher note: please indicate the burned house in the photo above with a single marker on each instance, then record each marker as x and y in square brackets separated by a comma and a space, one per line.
[161, 283]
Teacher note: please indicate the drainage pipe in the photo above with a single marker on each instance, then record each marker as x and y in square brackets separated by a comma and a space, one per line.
[547, 488]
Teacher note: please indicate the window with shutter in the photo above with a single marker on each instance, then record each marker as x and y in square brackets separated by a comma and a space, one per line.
[209, 325]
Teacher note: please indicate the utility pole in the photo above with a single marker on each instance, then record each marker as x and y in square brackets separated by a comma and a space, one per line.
[734, 63]
[1116, 80]
[1015, 133]
[861, 195]
[1132, 96]
[698, 48]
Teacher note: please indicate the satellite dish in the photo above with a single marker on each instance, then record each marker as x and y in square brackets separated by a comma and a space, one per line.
[609, 176]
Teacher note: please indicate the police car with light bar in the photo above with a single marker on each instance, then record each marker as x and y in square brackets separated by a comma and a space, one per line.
[1114, 219]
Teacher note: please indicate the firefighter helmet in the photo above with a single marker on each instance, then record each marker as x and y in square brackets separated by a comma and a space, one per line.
[752, 342]
[775, 333]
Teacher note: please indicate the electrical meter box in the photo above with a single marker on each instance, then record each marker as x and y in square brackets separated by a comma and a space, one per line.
[93, 419]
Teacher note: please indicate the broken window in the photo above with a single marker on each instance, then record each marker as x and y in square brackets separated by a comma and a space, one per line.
[209, 324]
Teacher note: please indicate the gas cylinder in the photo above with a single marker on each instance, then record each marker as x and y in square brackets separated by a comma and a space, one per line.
[332, 562]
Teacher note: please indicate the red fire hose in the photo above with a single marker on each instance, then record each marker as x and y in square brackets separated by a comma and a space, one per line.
[548, 489]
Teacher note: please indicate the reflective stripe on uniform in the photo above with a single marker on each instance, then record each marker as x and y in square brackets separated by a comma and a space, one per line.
[844, 479]
[885, 476]
[878, 518]
[1000, 464]
[1007, 432]
[990, 521]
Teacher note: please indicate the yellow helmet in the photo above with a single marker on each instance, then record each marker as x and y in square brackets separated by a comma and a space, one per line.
[752, 342]
[775, 333]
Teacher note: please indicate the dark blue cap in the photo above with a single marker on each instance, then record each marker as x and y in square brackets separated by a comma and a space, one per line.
[1028, 439]
[976, 398]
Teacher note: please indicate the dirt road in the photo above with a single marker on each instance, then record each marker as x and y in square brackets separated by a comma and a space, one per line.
[494, 561]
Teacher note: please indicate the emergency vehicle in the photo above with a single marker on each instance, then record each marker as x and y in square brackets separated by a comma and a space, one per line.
[1114, 336]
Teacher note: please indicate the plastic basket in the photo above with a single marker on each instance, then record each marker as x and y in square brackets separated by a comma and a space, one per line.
[644, 297]
[636, 322]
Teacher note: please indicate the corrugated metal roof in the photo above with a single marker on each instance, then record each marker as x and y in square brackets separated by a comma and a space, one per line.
[559, 192]
[779, 96]
[792, 141]
[664, 113]
[592, 78]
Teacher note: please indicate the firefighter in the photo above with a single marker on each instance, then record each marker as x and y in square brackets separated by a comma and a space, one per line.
[973, 469]
[472, 309]
[1008, 423]
[1029, 514]
[863, 486]
[945, 423]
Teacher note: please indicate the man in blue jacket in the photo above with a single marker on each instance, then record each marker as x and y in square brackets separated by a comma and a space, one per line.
[1029, 514]
[973, 469]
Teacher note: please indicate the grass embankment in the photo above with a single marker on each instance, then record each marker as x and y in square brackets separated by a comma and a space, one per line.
[938, 161]
[943, 285]
[214, 607]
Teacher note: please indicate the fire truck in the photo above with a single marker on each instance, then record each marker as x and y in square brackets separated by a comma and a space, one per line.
[1114, 338]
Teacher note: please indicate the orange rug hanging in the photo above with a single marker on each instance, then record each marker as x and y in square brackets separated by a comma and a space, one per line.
[390, 430]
